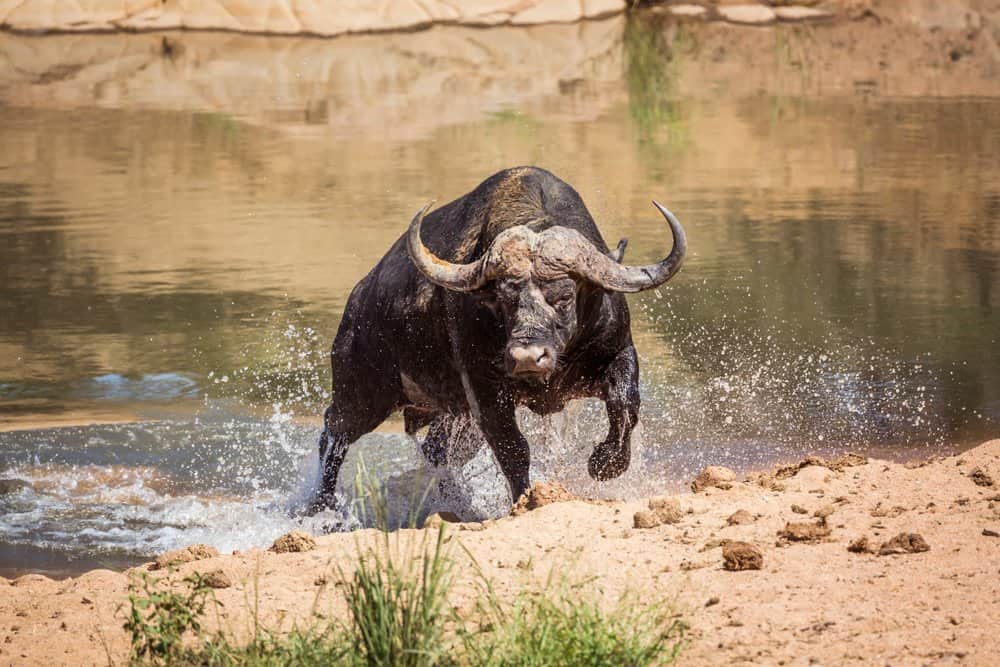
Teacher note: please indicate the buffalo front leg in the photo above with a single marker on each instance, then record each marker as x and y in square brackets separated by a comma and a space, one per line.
[621, 396]
[342, 425]
[499, 427]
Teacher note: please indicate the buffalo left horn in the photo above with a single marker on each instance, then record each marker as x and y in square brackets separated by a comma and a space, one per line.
[605, 272]
[458, 277]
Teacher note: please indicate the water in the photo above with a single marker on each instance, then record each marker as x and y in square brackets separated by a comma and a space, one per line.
[181, 228]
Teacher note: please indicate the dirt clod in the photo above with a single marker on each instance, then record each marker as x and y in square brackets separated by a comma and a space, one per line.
[542, 493]
[990, 533]
[644, 519]
[799, 509]
[741, 556]
[716, 476]
[739, 518]
[217, 579]
[824, 512]
[293, 542]
[981, 478]
[185, 555]
[837, 465]
[862, 545]
[904, 543]
[802, 531]
[667, 510]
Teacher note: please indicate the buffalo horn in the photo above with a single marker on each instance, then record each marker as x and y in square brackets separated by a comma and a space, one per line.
[608, 274]
[458, 277]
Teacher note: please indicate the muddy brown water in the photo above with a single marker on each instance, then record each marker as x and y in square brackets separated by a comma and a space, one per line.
[183, 216]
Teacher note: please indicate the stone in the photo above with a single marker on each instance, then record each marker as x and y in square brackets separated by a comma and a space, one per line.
[799, 509]
[904, 543]
[738, 556]
[217, 579]
[717, 476]
[739, 517]
[9, 486]
[687, 11]
[186, 555]
[293, 542]
[800, 13]
[747, 14]
[667, 510]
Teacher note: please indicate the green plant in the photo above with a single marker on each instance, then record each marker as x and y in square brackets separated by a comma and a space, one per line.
[564, 625]
[398, 592]
[160, 619]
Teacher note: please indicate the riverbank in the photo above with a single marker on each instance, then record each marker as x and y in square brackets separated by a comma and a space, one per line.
[835, 584]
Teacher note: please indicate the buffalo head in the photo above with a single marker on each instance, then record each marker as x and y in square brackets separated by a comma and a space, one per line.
[533, 280]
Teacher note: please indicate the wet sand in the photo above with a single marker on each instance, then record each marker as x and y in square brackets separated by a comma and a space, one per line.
[811, 602]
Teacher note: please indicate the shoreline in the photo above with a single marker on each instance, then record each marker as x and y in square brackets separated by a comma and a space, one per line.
[812, 598]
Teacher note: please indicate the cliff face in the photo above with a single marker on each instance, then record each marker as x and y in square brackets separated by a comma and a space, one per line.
[309, 17]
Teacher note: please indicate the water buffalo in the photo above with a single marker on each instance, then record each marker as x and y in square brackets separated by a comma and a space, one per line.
[506, 296]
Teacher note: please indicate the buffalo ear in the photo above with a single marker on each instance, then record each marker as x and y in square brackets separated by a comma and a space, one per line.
[618, 254]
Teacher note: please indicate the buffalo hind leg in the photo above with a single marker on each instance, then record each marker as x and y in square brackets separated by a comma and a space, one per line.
[621, 396]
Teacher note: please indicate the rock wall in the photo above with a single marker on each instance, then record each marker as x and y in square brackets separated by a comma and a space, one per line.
[308, 17]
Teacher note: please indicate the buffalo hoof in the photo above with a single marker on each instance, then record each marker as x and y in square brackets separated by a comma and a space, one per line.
[608, 461]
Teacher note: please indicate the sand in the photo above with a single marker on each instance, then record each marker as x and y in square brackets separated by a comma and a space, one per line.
[812, 601]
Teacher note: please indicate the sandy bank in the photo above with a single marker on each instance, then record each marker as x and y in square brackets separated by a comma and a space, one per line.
[811, 601]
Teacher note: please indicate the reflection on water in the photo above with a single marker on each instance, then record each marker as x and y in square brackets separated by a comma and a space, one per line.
[181, 231]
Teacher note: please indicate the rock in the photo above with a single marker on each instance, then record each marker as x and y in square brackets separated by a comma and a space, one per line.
[9, 486]
[801, 531]
[904, 543]
[216, 579]
[990, 533]
[185, 555]
[799, 13]
[741, 556]
[438, 519]
[713, 476]
[739, 517]
[687, 10]
[747, 14]
[712, 601]
[980, 477]
[799, 509]
[667, 510]
[293, 542]
[541, 494]
[644, 520]
[862, 545]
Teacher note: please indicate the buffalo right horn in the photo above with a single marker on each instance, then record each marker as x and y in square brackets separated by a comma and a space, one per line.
[602, 270]
[458, 277]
